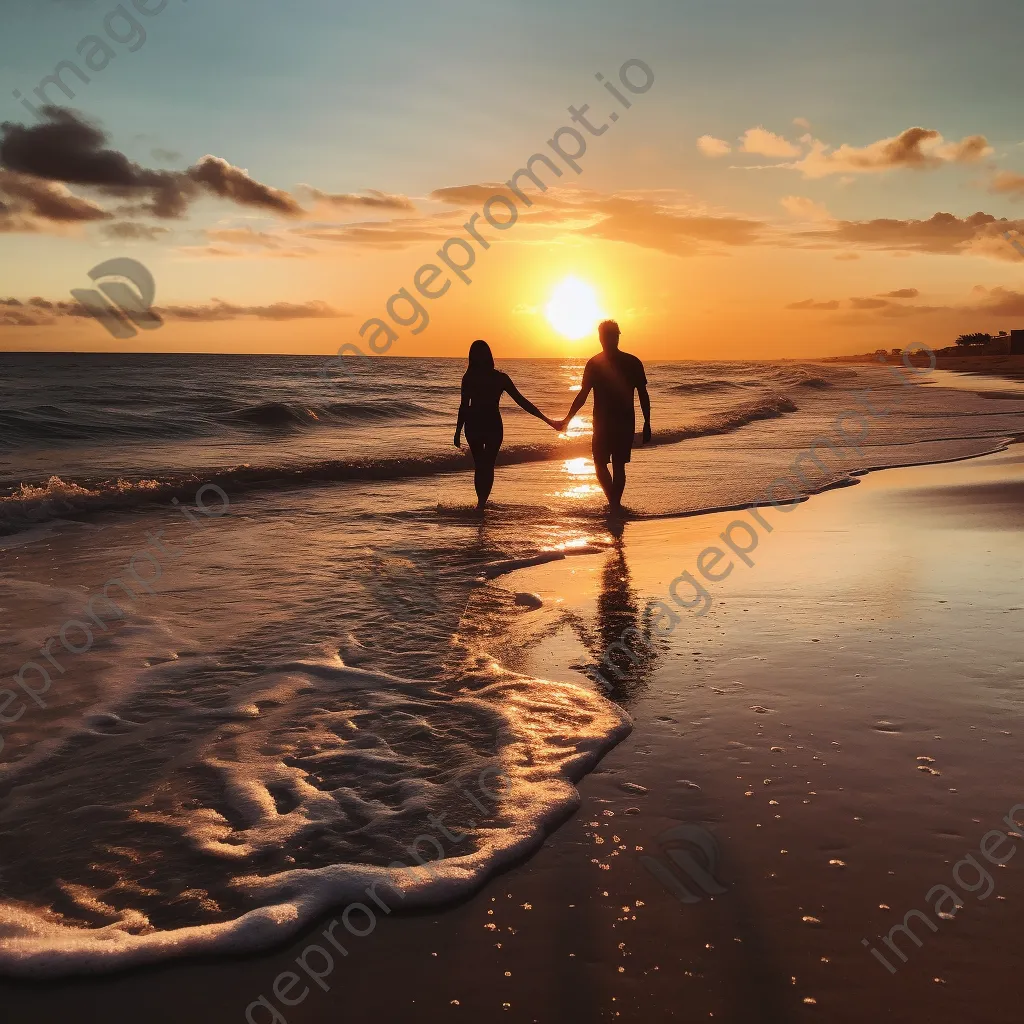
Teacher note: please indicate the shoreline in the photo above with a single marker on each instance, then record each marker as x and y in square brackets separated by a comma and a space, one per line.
[551, 880]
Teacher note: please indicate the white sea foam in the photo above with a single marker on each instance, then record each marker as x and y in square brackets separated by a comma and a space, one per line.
[296, 795]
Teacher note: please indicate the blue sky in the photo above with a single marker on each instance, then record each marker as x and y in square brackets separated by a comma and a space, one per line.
[406, 98]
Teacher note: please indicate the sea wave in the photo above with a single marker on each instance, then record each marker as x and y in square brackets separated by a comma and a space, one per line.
[283, 415]
[32, 503]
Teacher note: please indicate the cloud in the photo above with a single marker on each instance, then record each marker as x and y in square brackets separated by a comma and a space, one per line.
[247, 241]
[765, 143]
[901, 293]
[25, 194]
[218, 309]
[942, 234]
[476, 195]
[372, 200]
[867, 310]
[647, 220]
[802, 122]
[811, 304]
[1008, 183]
[230, 182]
[39, 312]
[804, 208]
[998, 302]
[970, 150]
[67, 149]
[915, 148]
[393, 234]
[712, 147]
[653, 225]
[137, 232]
[246, 236]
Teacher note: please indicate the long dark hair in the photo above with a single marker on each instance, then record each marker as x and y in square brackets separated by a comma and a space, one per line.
[480, 357]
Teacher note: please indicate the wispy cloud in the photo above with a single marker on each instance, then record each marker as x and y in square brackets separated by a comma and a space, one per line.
[39, 312]
[352, 201]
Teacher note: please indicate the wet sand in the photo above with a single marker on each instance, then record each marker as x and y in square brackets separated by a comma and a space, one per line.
[852, 697]
[1010, 366]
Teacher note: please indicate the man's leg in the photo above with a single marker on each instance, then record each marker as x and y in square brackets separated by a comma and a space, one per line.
[618, 482]
[604, 479]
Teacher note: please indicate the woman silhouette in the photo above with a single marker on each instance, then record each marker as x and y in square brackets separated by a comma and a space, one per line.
[482, 388]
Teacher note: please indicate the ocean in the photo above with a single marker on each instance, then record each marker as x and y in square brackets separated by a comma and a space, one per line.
[297, 681]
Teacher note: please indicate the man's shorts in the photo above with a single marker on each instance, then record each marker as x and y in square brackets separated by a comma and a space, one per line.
[615, 445]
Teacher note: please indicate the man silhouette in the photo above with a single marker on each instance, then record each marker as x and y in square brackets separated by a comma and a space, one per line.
[613, 376]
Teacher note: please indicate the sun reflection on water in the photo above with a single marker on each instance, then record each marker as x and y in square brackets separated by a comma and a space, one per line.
[584, 481]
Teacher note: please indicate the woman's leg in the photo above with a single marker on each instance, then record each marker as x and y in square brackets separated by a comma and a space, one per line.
[483, 478]
[485, 452]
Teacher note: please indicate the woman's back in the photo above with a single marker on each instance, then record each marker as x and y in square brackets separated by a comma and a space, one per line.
[483, 388]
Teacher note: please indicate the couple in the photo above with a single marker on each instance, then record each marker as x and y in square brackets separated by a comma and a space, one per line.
[612, 375]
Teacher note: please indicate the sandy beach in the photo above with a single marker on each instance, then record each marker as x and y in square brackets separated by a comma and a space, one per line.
[842, 721]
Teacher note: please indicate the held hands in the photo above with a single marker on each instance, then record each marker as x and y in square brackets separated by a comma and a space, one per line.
[558, 425]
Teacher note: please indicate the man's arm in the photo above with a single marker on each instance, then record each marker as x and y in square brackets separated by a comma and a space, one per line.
[645, 404]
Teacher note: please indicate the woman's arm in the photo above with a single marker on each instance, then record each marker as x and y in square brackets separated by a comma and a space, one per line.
[524, 403]
[463, 409]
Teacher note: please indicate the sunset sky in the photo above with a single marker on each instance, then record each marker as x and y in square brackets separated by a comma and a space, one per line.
[803, 178]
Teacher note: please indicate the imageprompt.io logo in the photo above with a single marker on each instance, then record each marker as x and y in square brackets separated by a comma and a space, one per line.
[681, 843]
[132, 305]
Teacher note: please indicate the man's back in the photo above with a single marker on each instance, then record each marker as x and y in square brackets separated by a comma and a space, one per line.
[614, 376]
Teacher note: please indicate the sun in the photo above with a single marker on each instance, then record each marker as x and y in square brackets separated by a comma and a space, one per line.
[574, 310]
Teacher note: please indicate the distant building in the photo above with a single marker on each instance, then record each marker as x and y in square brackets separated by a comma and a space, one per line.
[1004, 344]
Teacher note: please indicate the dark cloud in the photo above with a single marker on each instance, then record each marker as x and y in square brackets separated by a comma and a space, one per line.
[67, 149]
[27, 195]
[229, 182]
[901, 293]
